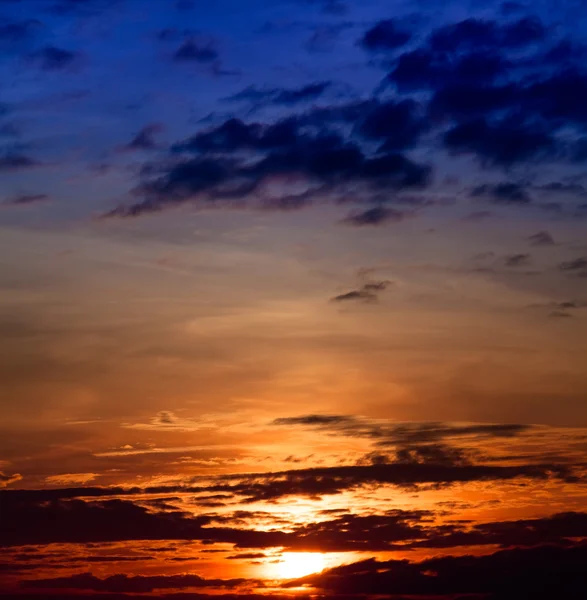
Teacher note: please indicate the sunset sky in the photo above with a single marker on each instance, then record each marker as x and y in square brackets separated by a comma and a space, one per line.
[293, 299]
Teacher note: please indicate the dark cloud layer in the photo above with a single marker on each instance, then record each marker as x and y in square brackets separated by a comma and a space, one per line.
[491, 99]
[543, 573]
[126, 584]
[99, 521]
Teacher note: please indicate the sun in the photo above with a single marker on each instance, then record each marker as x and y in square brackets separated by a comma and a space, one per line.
[300, 564]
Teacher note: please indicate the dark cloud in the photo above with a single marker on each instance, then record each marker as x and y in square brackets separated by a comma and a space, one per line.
[25, 199]
[415, 433]
[577, 264]
[480, 215]
[345, 533]
[47, 516]
[282, 96]
[503, 193]
[193, 51]
[516, 260]
[282, 149]
[129, 584]
[560, 97]
[480, 34]
[397, 124]
[16, 162]
[542, 238]
[540, 573]
[385, 35]
[316, 482]
[559, 314]
[14, 32]
[369, 292]
[423, 68]
[313, 420]
[565, 188]
[467, 100]
[502, 144]
[167, 596]
[52, 58]
[331, 7]
[144, 139]
[374, 216]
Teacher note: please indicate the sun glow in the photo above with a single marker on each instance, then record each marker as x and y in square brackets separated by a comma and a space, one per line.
[299, 564]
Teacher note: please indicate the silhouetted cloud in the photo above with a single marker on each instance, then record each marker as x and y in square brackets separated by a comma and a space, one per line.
[25, 199]
[246, 556]
[129, 584]
[368, 292]
[144, 139]
[542, 573]
[320, 159]
[374, 216]
[516, 260]
[52, 58]
[502, 193]
[502, 143]
[194, 51]
[15, 162]
[283, 96]
[577, 264]
[542, 238]
[385, 35]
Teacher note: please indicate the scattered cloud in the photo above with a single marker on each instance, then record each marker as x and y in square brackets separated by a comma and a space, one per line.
[6, 480]
[368, 292]
[542, 238]
[26, 199]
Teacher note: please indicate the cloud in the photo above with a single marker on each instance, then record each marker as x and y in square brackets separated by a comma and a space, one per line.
[374, 216]
[71, 478]
[424, 69]
[385, 35]
[541, 573]
[194, 51]
[281, 96]
[479, 215]
[542, 238]
[237, 161]
[16, 32]
[397, 124]
[6, 480]
[575, 265]
[82, 522]
[315, 420]
[516, 260]
[503, 143]
[26, 199]
[60, 516]
[52, 58]
[368, 292]
[246, 556]
[17, 162]
[559, 314]
[404, 433]
[144, 139]
[483, 34]
[129, 584]
[503, 193]
[565, 188]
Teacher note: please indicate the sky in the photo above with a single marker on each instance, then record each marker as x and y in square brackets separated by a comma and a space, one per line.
[293, 299]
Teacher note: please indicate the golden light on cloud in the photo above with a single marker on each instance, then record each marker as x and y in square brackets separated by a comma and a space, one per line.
[300, 564]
